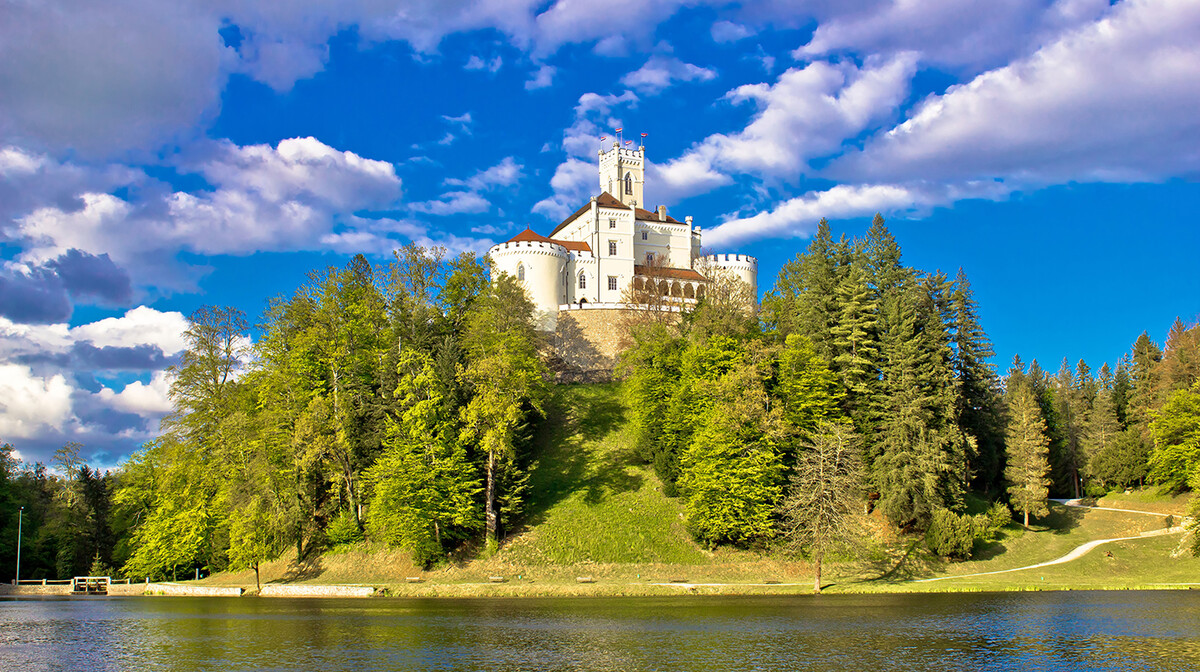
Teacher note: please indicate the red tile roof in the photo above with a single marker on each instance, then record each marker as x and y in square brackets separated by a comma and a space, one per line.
[529, 235]
[604, 200]
[648, 215]
[677, 273]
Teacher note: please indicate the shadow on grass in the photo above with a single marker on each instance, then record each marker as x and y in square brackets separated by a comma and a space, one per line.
[577, 418]
[1060, 520]
[890, 569]
[302, 570]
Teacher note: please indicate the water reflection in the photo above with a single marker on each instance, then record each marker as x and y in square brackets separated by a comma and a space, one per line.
[1025, 631]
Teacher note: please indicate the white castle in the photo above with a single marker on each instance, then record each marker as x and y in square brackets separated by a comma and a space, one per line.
[590, 259]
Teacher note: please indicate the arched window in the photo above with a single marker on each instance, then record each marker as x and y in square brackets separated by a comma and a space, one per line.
[628, 183]
[520, 271]
[582, 280]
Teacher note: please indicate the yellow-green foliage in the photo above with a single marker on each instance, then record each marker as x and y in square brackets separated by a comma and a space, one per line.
[591, 500]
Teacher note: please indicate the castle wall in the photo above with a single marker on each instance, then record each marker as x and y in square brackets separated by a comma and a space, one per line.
[589, 339]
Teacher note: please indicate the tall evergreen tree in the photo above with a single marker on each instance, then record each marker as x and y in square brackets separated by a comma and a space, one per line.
[1027, 449]
[856, 342]
[978, 405]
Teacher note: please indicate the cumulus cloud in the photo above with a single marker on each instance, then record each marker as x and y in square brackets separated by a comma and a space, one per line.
[1115, 100]
[264, 198]
[542, 78]
[808, 113]
[503, 174]
[660, 72]
[943, 33]
[728, 31]
[477, 63]
[138, 326]
[453, 203]
[798, 217]
[31, 404]
[146, 400]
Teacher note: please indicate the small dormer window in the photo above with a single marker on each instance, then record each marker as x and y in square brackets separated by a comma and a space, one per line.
[628, 183]
[520, 271]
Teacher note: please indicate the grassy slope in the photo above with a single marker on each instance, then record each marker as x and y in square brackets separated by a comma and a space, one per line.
[593, 510]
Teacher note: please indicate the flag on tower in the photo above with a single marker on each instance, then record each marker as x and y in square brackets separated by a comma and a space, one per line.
[603, 138]
[619, 130]
[628, 142]
[643, 135]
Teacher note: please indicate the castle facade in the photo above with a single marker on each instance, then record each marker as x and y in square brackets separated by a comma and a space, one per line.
[592, 258]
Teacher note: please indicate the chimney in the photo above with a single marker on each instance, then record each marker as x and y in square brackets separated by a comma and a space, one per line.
[662, 213]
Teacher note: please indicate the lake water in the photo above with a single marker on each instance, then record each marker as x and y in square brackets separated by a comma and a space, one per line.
[1153, 630]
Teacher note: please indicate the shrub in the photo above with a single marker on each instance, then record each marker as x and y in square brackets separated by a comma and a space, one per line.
[343, 530]
[951, 535]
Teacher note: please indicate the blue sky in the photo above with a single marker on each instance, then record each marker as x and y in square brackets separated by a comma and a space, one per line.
[156, 157]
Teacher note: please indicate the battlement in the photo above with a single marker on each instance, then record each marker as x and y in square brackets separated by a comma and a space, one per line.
[722, 259]
[529, 246]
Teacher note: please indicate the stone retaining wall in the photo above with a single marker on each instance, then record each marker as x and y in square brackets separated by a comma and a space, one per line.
[294, 590]
[176, 589]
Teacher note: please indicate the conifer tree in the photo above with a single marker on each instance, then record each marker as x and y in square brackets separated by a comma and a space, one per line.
[1144, 374]
[920, 468]
[1027, 451]
[1100, 436]
[804, 300]
[823, 491]
[978, 401]
[856, 342]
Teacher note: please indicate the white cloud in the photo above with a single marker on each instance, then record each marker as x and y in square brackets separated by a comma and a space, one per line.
[138, 326]
[265, 198]
[808, 113]
[31, 404]
[503, 174]
[728, 31]
[1115, 100]
[477, 63]
[541, 79]
[947, 32]
[146, 400]
[453, 203]
[798, 217]
[573, 183]
[660, 72]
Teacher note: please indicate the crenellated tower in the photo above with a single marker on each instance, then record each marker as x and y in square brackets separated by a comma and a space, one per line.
[623, 173]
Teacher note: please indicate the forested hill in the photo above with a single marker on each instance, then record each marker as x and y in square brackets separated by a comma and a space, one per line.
[398, 404]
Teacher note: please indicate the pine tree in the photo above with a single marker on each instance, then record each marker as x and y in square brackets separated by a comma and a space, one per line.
[978, 402]
[804, 300]
[920, 468]
[1100, 435]
[1144, 374]
[1027, 450]
[856, 342]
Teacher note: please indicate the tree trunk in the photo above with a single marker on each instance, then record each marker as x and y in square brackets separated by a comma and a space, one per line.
[257, 582]
[1027, 519]
[817, 577]
[490, 510]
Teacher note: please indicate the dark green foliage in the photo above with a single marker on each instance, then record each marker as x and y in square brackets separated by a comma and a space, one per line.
[951, 535]
[979, 405]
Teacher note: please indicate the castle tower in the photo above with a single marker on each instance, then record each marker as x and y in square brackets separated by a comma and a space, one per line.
[623, 173]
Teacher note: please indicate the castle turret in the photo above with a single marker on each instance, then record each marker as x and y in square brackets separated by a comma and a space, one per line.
[540, 264]
[743, 266]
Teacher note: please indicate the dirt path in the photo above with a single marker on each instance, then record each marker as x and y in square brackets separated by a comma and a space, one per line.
[1077, 552]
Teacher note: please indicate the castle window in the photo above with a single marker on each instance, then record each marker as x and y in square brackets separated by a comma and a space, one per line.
[612, 223]
[643, 235]
[520, 271]
[612, 248]
[582, 280]
[649, 257]
[628, 183]
[612, 282]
